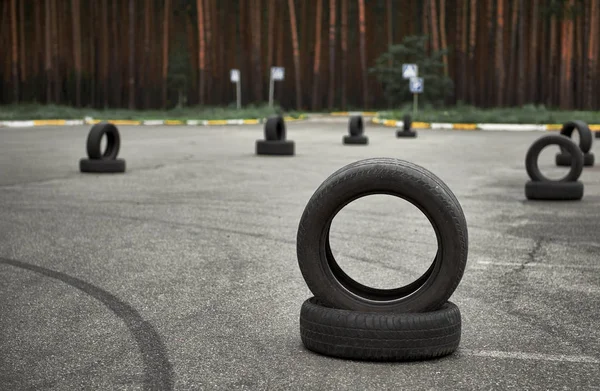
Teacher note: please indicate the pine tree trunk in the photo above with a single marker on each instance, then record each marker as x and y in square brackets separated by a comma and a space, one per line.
[15, 50]
[444, 44]
[512, 60]
[521, 66]
[22, 46]
[294, 30]
[131, 71]
[499, 53]
[147, 84]
[590, 58]
[534, 55]
[363, 55]
[472, 47]
[317, 59]
[257, 77]
[332, 28]
[270, 34]
[344, 44]
[201, 51]
[165, 51]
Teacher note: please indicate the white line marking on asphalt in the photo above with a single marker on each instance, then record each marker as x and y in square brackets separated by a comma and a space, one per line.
[530, 356]
[537, 264]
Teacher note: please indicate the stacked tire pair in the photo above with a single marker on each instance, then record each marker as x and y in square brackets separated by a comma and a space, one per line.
[542, 188]
[349, 320]
[356, 129]
[563, 158]
[407, 130]
[275, 142]
[99, 161]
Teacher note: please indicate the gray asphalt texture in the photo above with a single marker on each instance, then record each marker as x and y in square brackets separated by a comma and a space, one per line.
[182, 272]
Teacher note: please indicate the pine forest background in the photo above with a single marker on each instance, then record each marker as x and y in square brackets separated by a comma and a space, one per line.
[160, 53]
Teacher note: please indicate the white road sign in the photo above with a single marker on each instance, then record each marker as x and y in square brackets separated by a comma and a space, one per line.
[416, 85]
[410, 70]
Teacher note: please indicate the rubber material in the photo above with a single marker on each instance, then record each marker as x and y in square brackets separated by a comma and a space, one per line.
[356, 126]
[113, 141]
[585, 134]
[281, 147]
[406, 133]
[275, 129]
[566, 144]
[597, 133]
[558, 191]
[406, 122]
[356, 140]
[431, 195]
[102, 165]
[379, 336]
[564, 159]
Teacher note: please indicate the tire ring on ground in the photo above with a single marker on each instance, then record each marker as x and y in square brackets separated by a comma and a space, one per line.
[406, 133]
[355, 140]
[102, 165]
[393, 177]
[585, 134]
[566, 144]
[275, 129]
[113, 141]
[563, 159]
[356, 126]
[277, 147]
[379, 336]
[555, 191]
[597, 133]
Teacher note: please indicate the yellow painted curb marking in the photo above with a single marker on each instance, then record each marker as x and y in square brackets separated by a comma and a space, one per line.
[464, 126]
[42, 122]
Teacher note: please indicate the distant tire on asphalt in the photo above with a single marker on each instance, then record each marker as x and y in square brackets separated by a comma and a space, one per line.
[566, 144]
[356, 140]
[402, 179]
[356, 126]
[597, 133]
[585, 134]
[406, 133]
[380, 336]
[275, 129]
[277, 147]
[113, 141]
[102, 165]
[556, 191]
[563, 159]
[406, 122]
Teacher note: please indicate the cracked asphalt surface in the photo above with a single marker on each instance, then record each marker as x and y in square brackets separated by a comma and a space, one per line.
[182, 272]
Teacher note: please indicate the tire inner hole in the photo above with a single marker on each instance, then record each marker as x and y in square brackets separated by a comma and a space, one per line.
[382, 241]
[547, 163]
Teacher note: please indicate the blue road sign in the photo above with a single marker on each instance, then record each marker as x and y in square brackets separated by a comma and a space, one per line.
[416, 85]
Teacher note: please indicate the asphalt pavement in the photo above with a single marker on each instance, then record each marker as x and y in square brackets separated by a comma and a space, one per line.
[182, 273]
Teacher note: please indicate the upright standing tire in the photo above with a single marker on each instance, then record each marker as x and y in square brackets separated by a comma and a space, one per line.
[356, 125]
[406, 122]
[355, 140]
[431, 195]
[275, 129]
[379, 336]
[566, 144]
[113, 141]
[585, 134]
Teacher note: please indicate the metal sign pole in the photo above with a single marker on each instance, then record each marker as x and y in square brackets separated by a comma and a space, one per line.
[271, 88]
[238, 88]
[415, 105]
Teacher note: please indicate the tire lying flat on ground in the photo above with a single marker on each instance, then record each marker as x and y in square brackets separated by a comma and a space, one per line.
[431, 195]
[406, 133]
[102, 165]
[563, 159]
[379, 336]
[554, 191]
[356, 125]
[356, 140]
[278, 147]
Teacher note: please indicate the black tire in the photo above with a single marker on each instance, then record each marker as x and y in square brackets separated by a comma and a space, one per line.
[327, 280]
[356, 140]
[379, 336]
[585, 134]
[406, 133]
[102, 165]
[406, 122]
[557, 191]
[280, 148]
[597, 133]
[356, 125]
[566, 144]
[275, 129]
[113, 141]
[563, 159]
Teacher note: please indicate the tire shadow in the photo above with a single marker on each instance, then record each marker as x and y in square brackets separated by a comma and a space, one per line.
[158, 371]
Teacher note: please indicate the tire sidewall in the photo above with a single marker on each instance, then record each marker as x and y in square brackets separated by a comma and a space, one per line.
[94, 141]
[566, 144]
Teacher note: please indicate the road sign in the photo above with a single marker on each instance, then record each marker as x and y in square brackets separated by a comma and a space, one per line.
[410, 70]
[416, 85]
[235, 75]
[277, 73]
